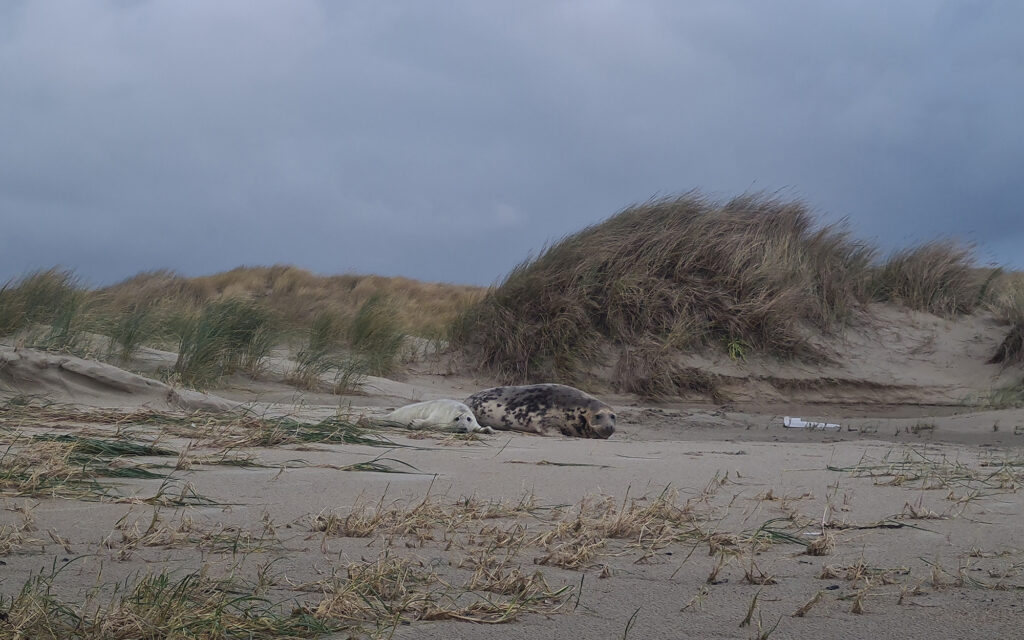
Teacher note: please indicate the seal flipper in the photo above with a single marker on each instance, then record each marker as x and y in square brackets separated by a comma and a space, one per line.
[549, 425]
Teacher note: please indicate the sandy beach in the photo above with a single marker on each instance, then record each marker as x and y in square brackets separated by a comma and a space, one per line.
[692, 516]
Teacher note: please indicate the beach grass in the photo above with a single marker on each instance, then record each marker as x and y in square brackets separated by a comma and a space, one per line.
[755, 274]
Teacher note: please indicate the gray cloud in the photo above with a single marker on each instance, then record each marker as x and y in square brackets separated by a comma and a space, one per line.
[446, 142]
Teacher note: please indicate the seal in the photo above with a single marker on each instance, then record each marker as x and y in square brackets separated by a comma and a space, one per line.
[543, 409]
[439, 414]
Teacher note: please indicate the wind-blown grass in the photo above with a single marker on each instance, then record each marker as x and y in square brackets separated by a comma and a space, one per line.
[667, 275]
[129, 330]
[316, 357]
[73, 465]
[376, 336]
[69, 466]
[937, 277]
[223, 337]
[753, 275]
[50, 298]
[224, 429]
[296, 296]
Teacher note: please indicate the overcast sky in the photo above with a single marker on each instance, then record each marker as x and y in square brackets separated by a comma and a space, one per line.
[447, 140]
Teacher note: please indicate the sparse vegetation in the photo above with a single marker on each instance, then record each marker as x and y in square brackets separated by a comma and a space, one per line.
[913, 468]
[87, 467]
[374, 564]
[159, 605]
[1006, 397]
[68, 466]
[227, 430]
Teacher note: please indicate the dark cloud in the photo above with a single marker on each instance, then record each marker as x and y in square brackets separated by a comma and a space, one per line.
[446, 142]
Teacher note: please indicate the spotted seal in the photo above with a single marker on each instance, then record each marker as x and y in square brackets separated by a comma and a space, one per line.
[543, 409]
[439, 414]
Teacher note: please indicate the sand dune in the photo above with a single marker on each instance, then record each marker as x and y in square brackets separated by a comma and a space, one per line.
[66, 378]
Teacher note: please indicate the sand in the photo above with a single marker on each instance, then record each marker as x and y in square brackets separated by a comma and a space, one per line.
[920, 488]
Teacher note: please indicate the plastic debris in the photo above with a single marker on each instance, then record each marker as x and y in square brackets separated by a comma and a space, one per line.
[797, 423]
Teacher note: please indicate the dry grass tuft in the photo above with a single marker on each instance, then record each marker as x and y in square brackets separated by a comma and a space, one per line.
[807, 606]
[862, 574]
[753, 575]
[823, 545]
[393, 590]
[15, 537]
[419, 521]
[130, 535]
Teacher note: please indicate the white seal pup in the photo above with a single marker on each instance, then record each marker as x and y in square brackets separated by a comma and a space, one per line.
[439, 414]
[543, 408]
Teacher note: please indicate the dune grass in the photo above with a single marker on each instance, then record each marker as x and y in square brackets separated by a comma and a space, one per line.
[225, 336]
[376, 336]
[756, 274]
[1007, 305]
[671, 274]
[296, 296]
[349, 325]
[619, 300]
[46, 304]
[318, 356]
[129, 330]
[937, 277]
[369, 344]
